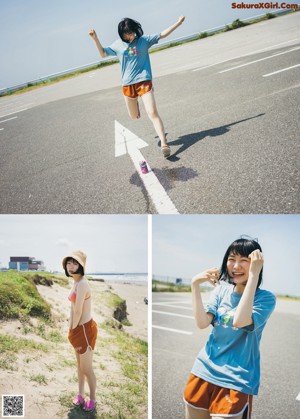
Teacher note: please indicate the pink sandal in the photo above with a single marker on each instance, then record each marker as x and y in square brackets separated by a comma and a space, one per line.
[89, 406]
[78, 400]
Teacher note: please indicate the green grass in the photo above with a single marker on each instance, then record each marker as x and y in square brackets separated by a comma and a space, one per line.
[128, 395]
[47, 278]
[19, 297]
[39, 378]
[14, 344]
[288, 297]
[160, 286]
[117, 304]
[10, 346]
[112, 300]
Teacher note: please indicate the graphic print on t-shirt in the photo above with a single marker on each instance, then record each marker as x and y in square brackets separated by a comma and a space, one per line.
[130, 52]
[224, 318]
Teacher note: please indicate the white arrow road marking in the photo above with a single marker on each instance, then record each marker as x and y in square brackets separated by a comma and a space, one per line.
[127, 142]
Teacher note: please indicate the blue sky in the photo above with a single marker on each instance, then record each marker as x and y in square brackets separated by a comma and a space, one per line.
[111, 242]
[186, 245]
[39, 37]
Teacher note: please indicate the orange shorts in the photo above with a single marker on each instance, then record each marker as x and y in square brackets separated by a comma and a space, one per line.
[83, 337]
[137, 89]
[217, 400]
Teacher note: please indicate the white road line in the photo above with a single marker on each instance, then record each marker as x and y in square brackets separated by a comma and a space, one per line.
[298, 397]
[9, 119]
[21, 110]
[280, 71]
[158, 195]
[167, 302]
[180, 307]
[257, 61]
[171, 330]
[14, 106]
[127, 141]
[241, 56]
[167, 313]
[1, 129]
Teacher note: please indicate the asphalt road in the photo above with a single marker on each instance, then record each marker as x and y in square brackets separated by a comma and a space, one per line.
[230, 105]
[173, 354]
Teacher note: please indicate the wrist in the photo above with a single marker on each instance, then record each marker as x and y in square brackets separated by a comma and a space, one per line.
[253, 277]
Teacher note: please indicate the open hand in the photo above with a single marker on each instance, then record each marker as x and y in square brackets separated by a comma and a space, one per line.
[181, 19]
[211, 276]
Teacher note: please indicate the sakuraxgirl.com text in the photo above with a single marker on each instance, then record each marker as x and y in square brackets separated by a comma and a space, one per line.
[269, 5]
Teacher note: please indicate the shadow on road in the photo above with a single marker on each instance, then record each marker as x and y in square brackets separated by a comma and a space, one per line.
[187, 141]
[168, 177]
[137, 181]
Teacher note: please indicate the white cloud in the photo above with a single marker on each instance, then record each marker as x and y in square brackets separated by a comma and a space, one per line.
[62, 242]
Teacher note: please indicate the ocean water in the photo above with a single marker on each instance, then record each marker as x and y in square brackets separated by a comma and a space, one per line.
[134, 279]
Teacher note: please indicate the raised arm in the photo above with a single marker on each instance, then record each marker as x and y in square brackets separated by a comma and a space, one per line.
[203, 319]
[172, 28]
[243, 314]
[93, 34]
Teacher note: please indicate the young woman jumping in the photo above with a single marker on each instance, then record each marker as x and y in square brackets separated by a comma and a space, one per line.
[82, 328]
[226, 372]
[132, 51]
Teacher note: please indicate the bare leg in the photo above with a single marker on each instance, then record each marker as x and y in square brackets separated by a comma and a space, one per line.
[80, 375]
[193, 413]
[151, 109]
[86, 366]
[132, 107]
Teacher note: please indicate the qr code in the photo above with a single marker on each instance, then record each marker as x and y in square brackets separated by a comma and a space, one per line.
[13, 406]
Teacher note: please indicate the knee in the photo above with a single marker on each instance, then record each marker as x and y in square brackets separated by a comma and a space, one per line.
[153, 115]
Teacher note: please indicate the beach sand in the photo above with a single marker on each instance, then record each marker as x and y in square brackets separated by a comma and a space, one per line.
[137, 310]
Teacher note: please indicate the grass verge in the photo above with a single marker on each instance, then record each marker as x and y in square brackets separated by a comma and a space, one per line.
[160, 286]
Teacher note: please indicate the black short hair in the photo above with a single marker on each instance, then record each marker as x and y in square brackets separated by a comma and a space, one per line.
[80, 269]
[128, 25]
[243, 247]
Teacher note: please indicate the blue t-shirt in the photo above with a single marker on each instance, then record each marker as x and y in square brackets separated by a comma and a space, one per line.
[134, 58]
[231, 356]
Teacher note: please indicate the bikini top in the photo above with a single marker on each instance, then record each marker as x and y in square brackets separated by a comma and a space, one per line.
[72, 296]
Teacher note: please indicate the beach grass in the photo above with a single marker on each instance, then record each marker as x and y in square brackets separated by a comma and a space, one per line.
[10, 346]
[128, 394]
[19, 297]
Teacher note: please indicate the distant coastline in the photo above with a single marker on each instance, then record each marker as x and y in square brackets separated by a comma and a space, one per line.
[122, 278]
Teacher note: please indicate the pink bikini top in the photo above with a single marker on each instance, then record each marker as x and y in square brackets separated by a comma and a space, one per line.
[72, 297]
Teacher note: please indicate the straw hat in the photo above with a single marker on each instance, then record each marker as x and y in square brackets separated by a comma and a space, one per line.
[79, 256]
